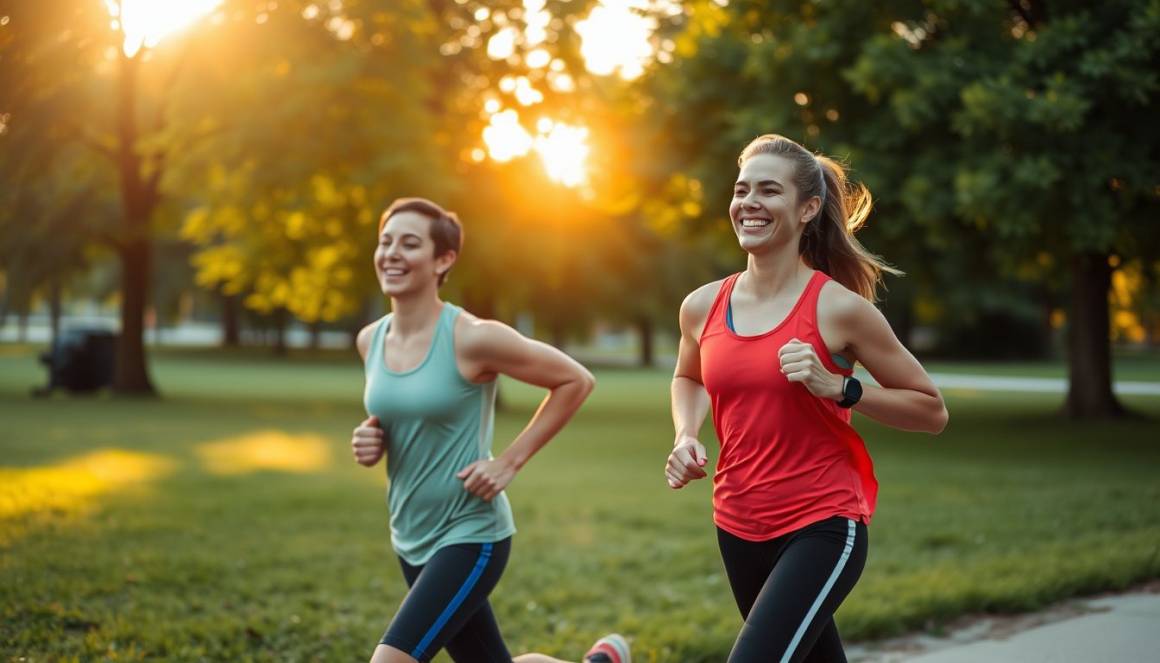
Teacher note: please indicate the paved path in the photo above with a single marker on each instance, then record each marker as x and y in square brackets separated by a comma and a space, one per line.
[1110, 628]
[1041, 385]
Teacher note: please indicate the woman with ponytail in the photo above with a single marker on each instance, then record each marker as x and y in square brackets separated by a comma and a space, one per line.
[771, 350]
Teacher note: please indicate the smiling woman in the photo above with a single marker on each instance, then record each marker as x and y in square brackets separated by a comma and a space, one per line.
[146, 22]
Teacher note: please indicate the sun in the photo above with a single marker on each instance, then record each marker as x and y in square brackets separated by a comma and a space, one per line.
[564, 151]
[146, 22]
[615, 38]
[563, 148]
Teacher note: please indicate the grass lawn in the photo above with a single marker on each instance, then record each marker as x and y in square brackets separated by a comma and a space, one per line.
[227, 522]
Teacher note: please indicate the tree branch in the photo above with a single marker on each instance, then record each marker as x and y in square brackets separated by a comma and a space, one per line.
[100, 147]
[1033, 13]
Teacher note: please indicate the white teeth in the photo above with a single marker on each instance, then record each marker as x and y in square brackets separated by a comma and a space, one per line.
[395, 272]
[754, 223]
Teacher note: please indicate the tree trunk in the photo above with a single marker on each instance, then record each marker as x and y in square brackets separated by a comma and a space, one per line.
[1089, 389]
[315, 335]
[644, 327]
[280, 322]
[231, 330]
[54, 307]
[131, 375]
[480, 305]
[138, 200]
[22, 325]
[4, 309]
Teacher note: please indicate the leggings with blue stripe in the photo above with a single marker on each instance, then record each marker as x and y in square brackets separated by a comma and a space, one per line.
[447, 607]
[789, 587]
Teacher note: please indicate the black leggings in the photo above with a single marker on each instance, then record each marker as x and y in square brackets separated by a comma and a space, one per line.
[789, 587]
[447, 606]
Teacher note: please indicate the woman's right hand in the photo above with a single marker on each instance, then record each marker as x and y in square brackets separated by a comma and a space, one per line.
[686, 462]
[367, 442]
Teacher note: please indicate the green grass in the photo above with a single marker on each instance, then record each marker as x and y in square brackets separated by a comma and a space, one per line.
[188, 543]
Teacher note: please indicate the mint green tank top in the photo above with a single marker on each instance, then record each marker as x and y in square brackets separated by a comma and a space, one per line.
[436, 423]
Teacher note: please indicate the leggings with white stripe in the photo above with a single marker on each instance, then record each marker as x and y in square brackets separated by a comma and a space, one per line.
[447, 606]
[789, 587]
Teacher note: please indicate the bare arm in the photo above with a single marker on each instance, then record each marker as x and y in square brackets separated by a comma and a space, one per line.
[690, 401]
[906, 399]
[486, 349]
[363, 340]
[367, 442]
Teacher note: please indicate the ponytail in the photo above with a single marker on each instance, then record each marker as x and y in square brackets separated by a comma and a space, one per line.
[828, 243]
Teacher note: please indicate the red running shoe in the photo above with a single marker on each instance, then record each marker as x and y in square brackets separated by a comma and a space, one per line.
[612, 648]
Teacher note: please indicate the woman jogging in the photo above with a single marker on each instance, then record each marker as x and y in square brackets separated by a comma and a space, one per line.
[431, 372]
[771, 349]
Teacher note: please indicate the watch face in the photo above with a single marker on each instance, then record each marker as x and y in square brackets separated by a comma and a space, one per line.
[853, 389]
[851, 392]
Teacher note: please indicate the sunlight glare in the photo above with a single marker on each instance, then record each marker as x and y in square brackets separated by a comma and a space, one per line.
[615, 39]
[265, 450]
[502, 44]
[525, 93]
[146, 22]
[564, 151]
[536, 20]
[505, 137]
[562, 148]
[71, 486]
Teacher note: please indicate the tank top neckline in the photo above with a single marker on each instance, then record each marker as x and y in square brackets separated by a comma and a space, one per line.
[728, 295]
[382, 343]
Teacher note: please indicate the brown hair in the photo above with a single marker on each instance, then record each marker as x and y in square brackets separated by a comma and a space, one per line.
[446, 230]
[828, 242]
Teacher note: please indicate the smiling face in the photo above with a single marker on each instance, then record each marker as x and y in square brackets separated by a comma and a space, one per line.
[405, 260]
[765, 210]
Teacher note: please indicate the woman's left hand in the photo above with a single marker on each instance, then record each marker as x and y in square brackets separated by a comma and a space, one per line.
[799, 363]
[487, 478]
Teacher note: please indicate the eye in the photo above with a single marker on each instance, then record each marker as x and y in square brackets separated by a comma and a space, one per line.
[769, 192]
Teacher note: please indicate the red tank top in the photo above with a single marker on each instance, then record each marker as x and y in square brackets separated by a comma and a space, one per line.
[788, 458]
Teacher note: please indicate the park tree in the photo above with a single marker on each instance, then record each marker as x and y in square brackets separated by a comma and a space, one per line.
[56, 199]
[327, 121]
[104, 81]
[1042, 114]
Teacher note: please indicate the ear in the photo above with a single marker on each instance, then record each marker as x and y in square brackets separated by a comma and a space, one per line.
[444, 262]
[811, 209]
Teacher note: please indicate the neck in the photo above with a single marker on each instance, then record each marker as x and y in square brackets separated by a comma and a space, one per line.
[768, 274]
[415, 313]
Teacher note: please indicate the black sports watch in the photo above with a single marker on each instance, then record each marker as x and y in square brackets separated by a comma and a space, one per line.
[851, 392]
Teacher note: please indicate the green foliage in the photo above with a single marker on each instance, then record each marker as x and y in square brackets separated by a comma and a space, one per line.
[315, 130]
[1047, 123]
[256, 560]
[55, 198]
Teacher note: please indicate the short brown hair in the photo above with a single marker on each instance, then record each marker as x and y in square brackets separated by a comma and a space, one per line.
[446, 230]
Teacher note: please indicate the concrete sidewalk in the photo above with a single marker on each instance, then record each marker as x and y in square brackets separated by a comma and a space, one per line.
[1036, 385]
[1123, 627]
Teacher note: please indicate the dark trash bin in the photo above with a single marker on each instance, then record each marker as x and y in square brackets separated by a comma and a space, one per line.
[80, 360]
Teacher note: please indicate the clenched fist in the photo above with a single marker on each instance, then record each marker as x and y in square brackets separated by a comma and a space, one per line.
[686, 462]
[799, 363]
[368, 442]
[487, 478]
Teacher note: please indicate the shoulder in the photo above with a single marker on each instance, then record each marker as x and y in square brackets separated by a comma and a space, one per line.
[363, 340]
[839, 305]
[697, 303]
[474, 335]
